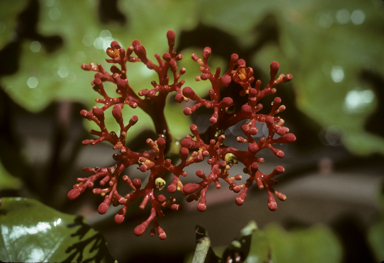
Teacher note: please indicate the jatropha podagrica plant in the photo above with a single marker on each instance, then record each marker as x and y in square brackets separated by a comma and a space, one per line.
[195, 147]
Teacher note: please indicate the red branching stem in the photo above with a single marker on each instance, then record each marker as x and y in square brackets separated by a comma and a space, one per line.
[195, 147]
[244, 76]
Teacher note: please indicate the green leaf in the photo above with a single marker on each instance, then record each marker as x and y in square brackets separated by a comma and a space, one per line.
[376, 239]
[58, 76]
[33, 232]
[9, 11]
[376, 230]
[260, 250]
[203, 252]
[250, 246]
[7, 181]
[325, 45]
[327, 49]
[316, 244]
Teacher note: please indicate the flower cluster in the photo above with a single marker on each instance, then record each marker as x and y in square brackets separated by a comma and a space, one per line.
[194, 148]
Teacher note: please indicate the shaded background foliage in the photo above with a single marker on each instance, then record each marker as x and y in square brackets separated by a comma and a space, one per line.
[334, 106]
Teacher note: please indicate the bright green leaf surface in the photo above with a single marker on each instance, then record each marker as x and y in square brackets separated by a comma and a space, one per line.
[203, 252]
[316, 245]
[33, 232]
[58, 76]
[252, 246]
[260, 250]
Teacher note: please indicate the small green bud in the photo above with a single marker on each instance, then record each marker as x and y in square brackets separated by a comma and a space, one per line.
[230, 159]
[160, 183]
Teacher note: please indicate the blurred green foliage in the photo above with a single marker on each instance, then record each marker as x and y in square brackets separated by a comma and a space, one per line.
[325, 45]
[376, 231]
[273, 244]
[315, 244]
[7, 181]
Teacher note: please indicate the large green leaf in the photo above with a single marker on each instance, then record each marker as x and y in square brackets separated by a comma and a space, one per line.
[251, 246]
[260, 250]
[203, 252]
[334, 42]
[33, 232]
[43, 78]
[7, 181]
[316, 244]
[325, 45]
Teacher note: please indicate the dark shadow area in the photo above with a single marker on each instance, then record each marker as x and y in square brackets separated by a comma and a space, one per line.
[236, 253]
[64, 132]
[109, 12]
[76, 251]
[26, 29]
[352, 237]
[374, 123]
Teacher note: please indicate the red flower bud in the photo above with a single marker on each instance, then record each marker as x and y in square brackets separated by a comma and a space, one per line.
[99, 113]
[116, 112]
[161, 198]
[187, 143]
[161, 233]
[226, 80]
[119, 218]
[167, 57]
[73, 194]
[184, 152]
[246, 108]
[189, 93]
[253, 147]
[207, 51]
[140, 50]
[190, 188]
[288, 138]
[241, 63]
[274, 68]
[241, 198]
[226, 102]
[137, 183]
[140, 229]
[161, 142]
[202, 206]
[171, 38]
[278, 170]
[103, 207]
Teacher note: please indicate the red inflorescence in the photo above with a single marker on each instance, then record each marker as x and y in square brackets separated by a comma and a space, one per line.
[194, 149]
